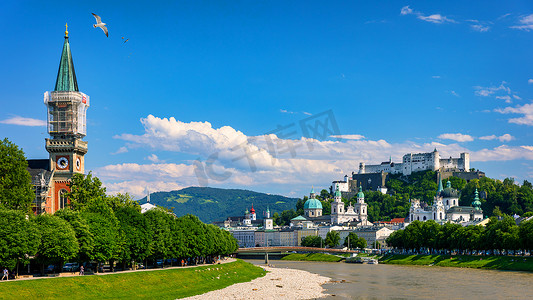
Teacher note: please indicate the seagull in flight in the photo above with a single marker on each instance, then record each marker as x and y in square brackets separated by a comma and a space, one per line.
[100, 24]
[125, 40]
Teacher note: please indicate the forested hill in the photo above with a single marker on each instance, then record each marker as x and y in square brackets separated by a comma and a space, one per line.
[213, 204]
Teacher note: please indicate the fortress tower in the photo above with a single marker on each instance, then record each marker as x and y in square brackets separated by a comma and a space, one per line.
[66, 107]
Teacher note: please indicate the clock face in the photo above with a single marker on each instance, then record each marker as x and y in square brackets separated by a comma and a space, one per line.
[62, 163]
[78, 163]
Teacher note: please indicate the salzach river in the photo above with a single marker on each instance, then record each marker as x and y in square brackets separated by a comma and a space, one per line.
[415, 282]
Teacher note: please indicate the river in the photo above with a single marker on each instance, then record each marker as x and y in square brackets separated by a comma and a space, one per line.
[409, 282]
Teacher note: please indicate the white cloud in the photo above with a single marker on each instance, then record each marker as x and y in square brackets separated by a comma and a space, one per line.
[526, 23]
[291, 162]
[458, 137]
[153, 158]
[406, 10]
[504, 138]
[454, 93]
[526, 110]
[307, 113]
[479, 27]
[487, 91]
[349, 136]
[286, 111]
[434, 18]
[120, 150]
[530, 81]
[16, 120]
[517, 97]
[507, 98]
[435, 76]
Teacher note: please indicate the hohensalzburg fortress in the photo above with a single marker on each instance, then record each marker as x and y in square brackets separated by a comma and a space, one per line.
[419, 162]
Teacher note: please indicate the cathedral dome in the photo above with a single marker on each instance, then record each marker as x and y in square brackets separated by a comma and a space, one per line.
[449, 192]
[312, 204]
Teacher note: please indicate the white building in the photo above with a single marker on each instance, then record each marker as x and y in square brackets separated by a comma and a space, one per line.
[446, 207]
[356, 213]
[419, 162]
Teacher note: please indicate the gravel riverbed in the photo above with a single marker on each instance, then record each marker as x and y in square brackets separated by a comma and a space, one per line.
[278, 283]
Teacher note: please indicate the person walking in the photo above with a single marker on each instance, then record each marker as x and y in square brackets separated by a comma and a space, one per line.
[6, 274]
[82, 271]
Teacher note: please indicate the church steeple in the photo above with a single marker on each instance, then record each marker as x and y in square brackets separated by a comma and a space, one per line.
[66, 77]
[440, 184]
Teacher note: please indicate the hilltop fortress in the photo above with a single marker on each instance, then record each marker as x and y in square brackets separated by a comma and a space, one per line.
[419, 162]
[374, 177]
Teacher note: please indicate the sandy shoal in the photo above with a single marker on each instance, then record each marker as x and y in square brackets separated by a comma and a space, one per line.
[278, 283]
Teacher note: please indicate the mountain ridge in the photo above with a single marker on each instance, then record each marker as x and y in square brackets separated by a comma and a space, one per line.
[217, 204]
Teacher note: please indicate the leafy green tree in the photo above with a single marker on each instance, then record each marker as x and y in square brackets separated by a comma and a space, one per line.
[324, 194]
[85, 189]
[136, 233]
[16, 191]
[300, 205]
[351, 240]
[195, 238]
[312, 241]
[525, 234]
[81, 228]
[286, 216]
[160, 223]
[276, 218]
[58, 240]
[333, 238]
[104, 227]
[361, 243]
[19, 238]
[119, 201]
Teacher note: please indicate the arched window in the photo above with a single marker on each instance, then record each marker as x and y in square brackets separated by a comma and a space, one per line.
[418, 218]
[424, 218]
[447, 202]
[62, 199]
[441, 216]
[434, 216]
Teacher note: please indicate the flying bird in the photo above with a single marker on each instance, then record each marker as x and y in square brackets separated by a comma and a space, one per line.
[125, 40]
[100, 24]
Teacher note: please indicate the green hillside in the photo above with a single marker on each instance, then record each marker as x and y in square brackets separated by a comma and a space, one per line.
[213, 204]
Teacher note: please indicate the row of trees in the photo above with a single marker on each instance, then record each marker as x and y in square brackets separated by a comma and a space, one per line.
[95, 226]
[498, 234]
[332, 240]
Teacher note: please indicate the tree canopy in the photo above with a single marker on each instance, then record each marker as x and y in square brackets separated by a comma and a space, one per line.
[16, 191]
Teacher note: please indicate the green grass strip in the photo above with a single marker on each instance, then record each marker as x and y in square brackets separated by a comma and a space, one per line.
[312, 257]
[161, 284]
[509, 263]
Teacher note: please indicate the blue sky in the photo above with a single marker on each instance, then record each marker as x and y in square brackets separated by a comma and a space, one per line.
[188, 99]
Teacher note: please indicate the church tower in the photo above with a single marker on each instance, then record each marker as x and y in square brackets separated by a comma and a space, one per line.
[66, 107]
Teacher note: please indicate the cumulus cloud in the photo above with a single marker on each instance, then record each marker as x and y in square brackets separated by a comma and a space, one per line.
[503, 138]
[434, 18]
[458, 137]
[21, 121]
[525, 23]
[225, 157]
[530, 81]
[525, 110]
[348, 136]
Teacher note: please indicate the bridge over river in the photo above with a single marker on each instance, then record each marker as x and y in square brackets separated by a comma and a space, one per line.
[280, 251]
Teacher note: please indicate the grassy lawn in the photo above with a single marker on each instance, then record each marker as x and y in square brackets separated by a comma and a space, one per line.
[312, 257]
[463, 261]
[161, 284]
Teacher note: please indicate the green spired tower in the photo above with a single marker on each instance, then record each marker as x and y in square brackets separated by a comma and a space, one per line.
[66, 122]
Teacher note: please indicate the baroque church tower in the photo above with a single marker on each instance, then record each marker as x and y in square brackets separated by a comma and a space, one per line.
[66, 122]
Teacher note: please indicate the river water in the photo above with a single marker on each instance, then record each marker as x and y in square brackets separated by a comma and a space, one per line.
[415, 282]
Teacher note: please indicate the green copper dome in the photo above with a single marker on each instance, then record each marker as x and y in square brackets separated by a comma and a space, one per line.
[360, 194]
[476, 204]
[312, 204]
